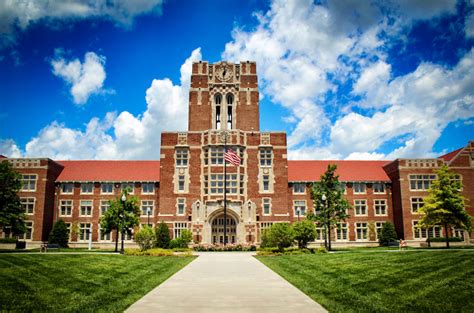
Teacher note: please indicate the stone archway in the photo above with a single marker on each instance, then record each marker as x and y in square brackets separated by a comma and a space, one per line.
[217, 229]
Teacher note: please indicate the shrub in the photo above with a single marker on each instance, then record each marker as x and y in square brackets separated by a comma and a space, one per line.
[280, 235]
[264, 243]
[162, 234]
[443, 239]
[7, 240]
[304, 232]
[322, 250]
[151, 252]
[59, 234]
[387, 234]
[145, 238]
[186, 237]
[230, 247]
[176, 243]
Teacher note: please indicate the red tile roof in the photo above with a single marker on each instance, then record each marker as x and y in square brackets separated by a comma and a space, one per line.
[110, 171]
[308, 171]
[449, 156]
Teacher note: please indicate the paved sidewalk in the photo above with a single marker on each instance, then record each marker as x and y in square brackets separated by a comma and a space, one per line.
[226, 282]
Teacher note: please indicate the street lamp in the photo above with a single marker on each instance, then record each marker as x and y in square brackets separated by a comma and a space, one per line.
[323, 198]
[124, 198]
[148, 212]
[298, 213]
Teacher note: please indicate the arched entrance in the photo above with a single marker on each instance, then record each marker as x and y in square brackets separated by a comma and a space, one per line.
[217, 225]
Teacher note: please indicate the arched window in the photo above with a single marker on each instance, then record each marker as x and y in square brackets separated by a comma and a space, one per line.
[218, 100]
[230, 101]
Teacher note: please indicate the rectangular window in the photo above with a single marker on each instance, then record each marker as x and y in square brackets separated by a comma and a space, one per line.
[87, 188]
[28, 182]
[265, 226]
[341, 231]
[67, 188]
[266, 182]
[178, 228]
[104, 206]
[147, 207]
[378, 187]
[86, 208]
[422, 233]
[361, 231]
[299, 188]
[343, 187]
[148, 188]
[217, 183]
[103, 236]
[320, 234]
[181, 181]
[181, 207]
[85, 231]
[65, 207]
[266, 157]
[217, 155]
[378, 228]
[129, 187]
[421, 182]
[458, 233]
[359, 188]
[380, 207]
[182, 157]
[266, 203]
[107, 188]
[416, 204]
[28, 205]
[299, 207]
[360, 207]
[29, 231]
[68, 226]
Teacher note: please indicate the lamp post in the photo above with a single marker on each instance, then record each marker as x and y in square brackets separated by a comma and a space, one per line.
[148, 212]
[298, 213]
[323, 198]
[124, 198]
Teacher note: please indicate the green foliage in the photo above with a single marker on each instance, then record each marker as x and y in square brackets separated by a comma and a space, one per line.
[162, 236]
[8, 240]
[145, 238]
[151, 252]
[334, 209]
[183, 240]
[387, 234]
[11, 212]
[264, 243]
[280, 235]
[59, 234]
[304, 232]
[322, 250]
[443, 239]
[445, 204]
[228, 247]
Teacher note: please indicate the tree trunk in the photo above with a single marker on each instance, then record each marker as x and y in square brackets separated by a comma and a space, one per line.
[446, 230]
[116, 241]
[325, 235]
[329, 236]
[429, 242]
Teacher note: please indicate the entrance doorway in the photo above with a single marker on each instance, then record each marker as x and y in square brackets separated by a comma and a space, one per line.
[218, 230]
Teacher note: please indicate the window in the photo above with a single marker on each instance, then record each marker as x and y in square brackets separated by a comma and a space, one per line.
[68, 226]
[217, 155]
[230, 101]
[218, 100]
[360, 207]
[359, 187]
[217, 183]
[343, 187]
[361, 231]
[266, 182]
[378, 228]
[416, 204]
[299, 207]
[103, 236]
[107, 188]
[265, 225]
[181, 206]
[147, 205]
[266, 157]
[148, 188]
[341, 231]
[29, 231]
[181, 180]
[87, 188]
[65, 207]
[129, 187]
[421, 182]
[378, 187]
[458, 233]
[86, 208]
[182, 157]
[178, 228]
[458, 178]
[380, 207]
[320, 234]
[266, 204]
[299, 188]
[28, 182]
[422, 233]
[85, 231]
[67, 188]
[104, 206]
[28, 205]
[7, 232]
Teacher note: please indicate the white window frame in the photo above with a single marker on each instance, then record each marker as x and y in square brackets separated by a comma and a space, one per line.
[417, 203]
[147, 204]
[320, 234]
[180, 201]
[378, 226]
[178, 227]
[359, 192]
[297, 187]
[103, 204]
[384, 204]
[87, 192]
[104, 237]
[342, 226]
[68, 185]
[61, 202]
[267, 201]
[147, 192]
[82, 204]
[296, 206]
[356, 228]
[268, 189]
[26, 201]
[379, 192]
[364, 201]
[181, 183]
[102, 188]
[29, 226]
[182, 157]
[81, 232]
[265, 157]
[423, 178]
[29, 180]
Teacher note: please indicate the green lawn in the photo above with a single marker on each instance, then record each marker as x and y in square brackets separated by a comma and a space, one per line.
[89, 282]
[410, 281]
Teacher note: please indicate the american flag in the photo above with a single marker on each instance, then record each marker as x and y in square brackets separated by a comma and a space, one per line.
[231, 157]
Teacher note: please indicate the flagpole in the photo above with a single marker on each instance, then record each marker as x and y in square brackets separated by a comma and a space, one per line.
[225, 189]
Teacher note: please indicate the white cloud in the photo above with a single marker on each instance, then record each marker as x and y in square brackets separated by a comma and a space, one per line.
[123, 135]
[469, 25]
[365, 156]
[85, 78]
[9, 148]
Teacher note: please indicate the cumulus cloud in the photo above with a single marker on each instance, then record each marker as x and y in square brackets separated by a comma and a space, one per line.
[86, 78]
[469, 25]
[9, 148]
[122, 135]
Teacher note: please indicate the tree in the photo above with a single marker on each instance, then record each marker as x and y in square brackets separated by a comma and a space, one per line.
[329, 203]
[145, 238]
[387, 234]
[112, 218]
[59, 234]
[11, 211]
[162, 235]
[183, 240]
[304, 232]
[444, 204]
[280, 235]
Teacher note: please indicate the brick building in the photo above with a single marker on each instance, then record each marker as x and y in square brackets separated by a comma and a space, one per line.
[185, 187]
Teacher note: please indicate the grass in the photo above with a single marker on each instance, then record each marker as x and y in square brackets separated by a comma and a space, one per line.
[413, 281]
[84, 282]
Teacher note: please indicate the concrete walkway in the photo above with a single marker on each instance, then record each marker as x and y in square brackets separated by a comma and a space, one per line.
[226, 282]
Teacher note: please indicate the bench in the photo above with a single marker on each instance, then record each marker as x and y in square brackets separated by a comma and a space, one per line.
[45, 246]
[403, 245]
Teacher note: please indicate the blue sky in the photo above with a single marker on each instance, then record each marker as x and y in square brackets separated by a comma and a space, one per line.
[344, 79]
